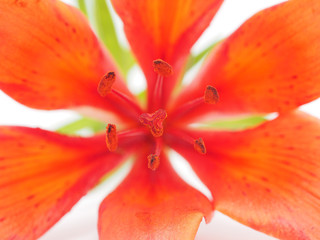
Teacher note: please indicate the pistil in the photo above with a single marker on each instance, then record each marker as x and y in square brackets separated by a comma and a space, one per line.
[154, 121]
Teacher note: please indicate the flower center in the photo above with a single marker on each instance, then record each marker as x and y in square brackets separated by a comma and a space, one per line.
[154, 121]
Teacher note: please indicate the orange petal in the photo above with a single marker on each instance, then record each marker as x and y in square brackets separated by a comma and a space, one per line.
[152, 205]
[268, 177]
[43, 174]
[164, 29]
[51, 59]
[270, 64]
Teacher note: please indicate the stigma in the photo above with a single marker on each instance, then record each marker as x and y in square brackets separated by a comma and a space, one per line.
[154, 121]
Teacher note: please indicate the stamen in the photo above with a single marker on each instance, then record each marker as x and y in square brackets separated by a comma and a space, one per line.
[154, 121]
[126, 99]
[105, 88]
[162, 68]
[153, 161]
[111, 137]
[185, 138]
[106, 83]
[211, 95]
[158, 91]
[132, 133]
[199, 146]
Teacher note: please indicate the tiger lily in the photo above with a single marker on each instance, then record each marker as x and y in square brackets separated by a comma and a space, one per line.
[266, 177]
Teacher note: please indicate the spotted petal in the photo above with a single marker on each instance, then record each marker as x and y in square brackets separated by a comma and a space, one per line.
[50, 58]
[164, 29]
[270, 64]
[152, 205]
[268, 177]
[43, 174]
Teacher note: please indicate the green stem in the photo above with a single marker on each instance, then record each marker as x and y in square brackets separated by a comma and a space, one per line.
[107, 33]
[83, 7]
[83, 123]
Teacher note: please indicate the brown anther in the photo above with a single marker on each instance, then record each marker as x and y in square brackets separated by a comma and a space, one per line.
[106, 83]
[211, 95]
[153, 161]
[199, 146]
[111, 137]
[154, 121]
[162, 68]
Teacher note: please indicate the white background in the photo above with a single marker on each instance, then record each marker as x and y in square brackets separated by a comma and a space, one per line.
[81, 222]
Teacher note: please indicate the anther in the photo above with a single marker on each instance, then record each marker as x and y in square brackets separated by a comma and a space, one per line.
[211, 95]
[199, 146]
[162, 68]
[105, 87]
[153, 161]
[154, 121]
[106, 83]
[111, 137]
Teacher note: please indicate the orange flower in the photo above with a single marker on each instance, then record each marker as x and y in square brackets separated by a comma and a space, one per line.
[267, 177]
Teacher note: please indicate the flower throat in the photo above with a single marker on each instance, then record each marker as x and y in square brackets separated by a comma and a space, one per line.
[153, 123]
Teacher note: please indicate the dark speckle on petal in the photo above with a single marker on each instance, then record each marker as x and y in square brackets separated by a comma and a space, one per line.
[30, 197]
[20, 3]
